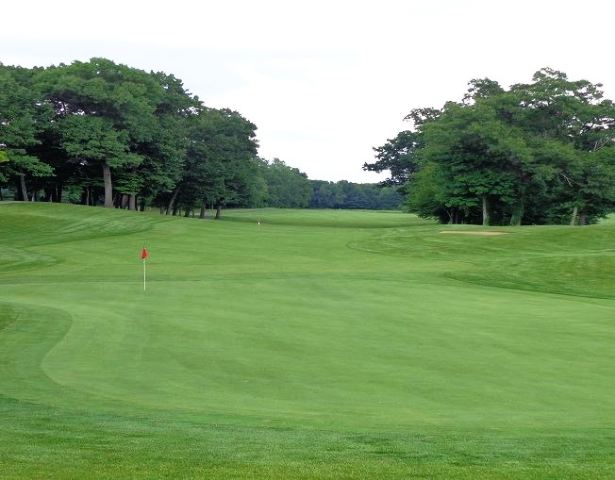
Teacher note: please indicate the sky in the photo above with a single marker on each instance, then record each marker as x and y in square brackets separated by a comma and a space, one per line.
[324, 81]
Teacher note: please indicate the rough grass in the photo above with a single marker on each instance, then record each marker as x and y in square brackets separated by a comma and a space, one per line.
[318, 344]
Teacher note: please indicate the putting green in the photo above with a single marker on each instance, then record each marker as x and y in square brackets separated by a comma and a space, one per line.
[302, 344]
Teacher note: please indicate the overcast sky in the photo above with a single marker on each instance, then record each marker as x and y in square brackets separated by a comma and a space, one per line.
[324, 81]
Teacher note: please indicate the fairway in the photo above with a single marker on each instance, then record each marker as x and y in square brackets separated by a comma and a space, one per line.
[303, 344]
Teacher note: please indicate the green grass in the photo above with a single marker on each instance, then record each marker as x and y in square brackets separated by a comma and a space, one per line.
[318, 344]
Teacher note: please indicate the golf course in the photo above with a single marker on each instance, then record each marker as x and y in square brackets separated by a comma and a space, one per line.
[299, 344]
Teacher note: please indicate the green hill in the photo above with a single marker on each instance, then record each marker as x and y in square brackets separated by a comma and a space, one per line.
[328, 344]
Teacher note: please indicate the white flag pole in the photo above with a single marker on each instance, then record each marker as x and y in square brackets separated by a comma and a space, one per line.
[144, 274]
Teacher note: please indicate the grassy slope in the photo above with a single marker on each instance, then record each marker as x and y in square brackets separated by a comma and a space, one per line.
[318, 344]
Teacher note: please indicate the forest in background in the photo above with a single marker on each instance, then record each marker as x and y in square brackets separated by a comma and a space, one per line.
[101, 133]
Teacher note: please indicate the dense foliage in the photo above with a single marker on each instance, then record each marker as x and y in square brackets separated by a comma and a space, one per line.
[288, 187]
[348, 195]
[536, 153]
[104, 133]
[99, 133]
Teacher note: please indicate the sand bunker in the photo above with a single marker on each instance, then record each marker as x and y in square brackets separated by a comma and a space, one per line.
[480, 234]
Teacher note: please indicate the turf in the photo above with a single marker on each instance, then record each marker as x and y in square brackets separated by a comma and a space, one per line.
[314, 344]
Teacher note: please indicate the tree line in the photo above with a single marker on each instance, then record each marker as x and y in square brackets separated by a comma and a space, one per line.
[101, 133]
[536, 153]
[348, 195]
[288, 187]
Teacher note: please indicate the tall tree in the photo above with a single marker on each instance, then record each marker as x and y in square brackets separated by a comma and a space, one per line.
[479, 153]
[510, 156]
[286, 186]
[22, 118]
[399, 156]
[220, 162]
[164, 155]
[577, 122]
[113, 103]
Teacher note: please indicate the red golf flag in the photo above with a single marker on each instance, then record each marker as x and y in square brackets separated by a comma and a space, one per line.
[144, 254]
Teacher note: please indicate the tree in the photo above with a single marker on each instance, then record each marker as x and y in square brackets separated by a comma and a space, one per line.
[105, 113]
[576, 123]
[510, 156]
[399, 156]
[345, 194]
[286, 186]
[22, 118]
[92, 140]
[480, 153]
[99, 129]
[220, 162]
[164, 155]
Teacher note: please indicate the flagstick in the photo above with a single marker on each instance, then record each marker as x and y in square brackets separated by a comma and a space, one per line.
[144, 256]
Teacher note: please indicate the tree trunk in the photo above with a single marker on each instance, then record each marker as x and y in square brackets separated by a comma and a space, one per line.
[582, 219]
[517, 217]
[108, 185]
[573, 217]
[22, 186]
[187, 212]
[171, 206]
[203, 210]
[132, 202]
[485, 212]
[451, 217]
[59, 193]
[218, 210]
